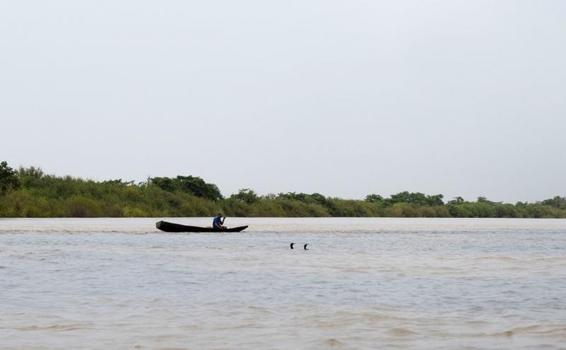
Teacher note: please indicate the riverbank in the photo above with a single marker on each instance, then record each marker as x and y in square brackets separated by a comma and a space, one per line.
[28, 192]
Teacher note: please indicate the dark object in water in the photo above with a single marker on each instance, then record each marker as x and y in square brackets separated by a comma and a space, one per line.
[291, 245]
[305, 247]
[172, 227]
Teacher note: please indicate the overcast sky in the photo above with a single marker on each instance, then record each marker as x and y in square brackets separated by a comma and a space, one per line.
[344, 98]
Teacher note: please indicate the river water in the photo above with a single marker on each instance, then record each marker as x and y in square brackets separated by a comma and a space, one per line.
[363, 284]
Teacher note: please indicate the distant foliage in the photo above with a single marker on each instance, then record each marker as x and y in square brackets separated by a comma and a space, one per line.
[193, 185]
[556, 202]
[374, 198]
[29, 192]
[8, 178]
[246, 195]
[416, 198]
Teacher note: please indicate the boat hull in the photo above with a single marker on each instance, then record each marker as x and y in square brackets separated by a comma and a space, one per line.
[172, 227]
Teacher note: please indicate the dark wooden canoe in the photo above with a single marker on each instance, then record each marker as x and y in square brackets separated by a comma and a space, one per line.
[172, 227]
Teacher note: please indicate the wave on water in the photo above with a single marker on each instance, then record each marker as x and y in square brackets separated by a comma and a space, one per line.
[401, 332]
[334, 343]
[338, 226]
[55, 327]
[531, 330]
[71, 232]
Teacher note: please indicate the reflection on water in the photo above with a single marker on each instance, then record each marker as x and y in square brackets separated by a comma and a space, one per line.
[365, 283]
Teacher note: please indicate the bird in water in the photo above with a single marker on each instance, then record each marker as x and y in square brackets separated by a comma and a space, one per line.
[305, 246]
[291, 245]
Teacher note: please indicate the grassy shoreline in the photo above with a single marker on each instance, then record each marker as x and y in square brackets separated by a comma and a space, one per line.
[28, 192]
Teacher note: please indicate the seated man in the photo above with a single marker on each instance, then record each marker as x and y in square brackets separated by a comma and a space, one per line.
[218, 222]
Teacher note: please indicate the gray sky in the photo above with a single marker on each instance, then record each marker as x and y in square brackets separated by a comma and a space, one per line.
[344, 98]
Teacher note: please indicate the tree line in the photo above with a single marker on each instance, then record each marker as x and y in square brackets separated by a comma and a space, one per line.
[29, 192]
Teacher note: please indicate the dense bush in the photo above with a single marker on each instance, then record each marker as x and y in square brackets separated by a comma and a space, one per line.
[8, 178]
[189, 184]
[28, 192]
[246, 195]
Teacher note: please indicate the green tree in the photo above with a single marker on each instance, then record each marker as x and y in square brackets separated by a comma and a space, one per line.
[457, 200]
[435, 200]
[556, 202]
[416, 198]
[198, 187]
[374, 198]
[8, 178]
[246, 195]
[165, 183]
[189, 184]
